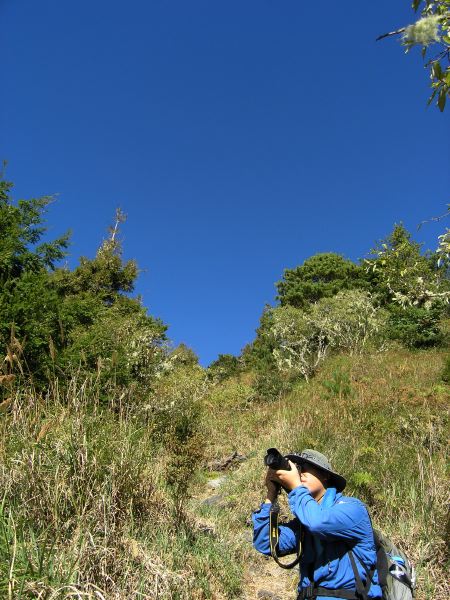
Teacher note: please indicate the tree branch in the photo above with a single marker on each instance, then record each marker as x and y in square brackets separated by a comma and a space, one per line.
[385, 35]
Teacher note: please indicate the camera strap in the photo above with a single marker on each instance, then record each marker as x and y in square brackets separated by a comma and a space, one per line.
[274, 536]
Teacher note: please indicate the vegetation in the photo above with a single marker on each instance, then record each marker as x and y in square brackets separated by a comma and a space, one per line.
[94, 497]
[330, 304]
[431, 29]
[321, 276]
[383, 419]
[54, 322]
[107, 434]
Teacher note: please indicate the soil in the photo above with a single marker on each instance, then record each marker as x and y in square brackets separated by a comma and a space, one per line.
[265, 580]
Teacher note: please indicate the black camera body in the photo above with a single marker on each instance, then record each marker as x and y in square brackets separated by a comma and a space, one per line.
[275, 460]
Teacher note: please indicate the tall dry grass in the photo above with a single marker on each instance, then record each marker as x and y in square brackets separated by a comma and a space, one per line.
[383, 420]
[96, 495]
[89, 509]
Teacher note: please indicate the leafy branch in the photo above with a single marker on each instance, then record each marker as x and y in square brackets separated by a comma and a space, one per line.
[432, 27]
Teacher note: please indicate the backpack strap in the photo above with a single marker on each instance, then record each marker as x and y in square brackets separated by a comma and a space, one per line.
[312, 591]
[363, 590]
[382, 566]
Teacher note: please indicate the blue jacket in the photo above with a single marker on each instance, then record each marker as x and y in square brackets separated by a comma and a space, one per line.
[331, 528]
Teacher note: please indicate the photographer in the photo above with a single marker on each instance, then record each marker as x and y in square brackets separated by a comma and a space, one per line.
[338, 555]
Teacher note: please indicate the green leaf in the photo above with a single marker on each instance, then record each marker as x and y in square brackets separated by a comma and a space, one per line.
[431, 98]
[442, 99]
[436, 70]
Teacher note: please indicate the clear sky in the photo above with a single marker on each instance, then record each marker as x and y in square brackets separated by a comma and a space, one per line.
[239, 137]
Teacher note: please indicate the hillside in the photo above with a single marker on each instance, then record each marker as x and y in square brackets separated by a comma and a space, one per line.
[96, 500]
[382, 418]
[128, 471]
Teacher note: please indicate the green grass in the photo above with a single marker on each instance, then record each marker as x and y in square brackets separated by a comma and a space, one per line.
[383, 420]
[97, 497]
[91, 507]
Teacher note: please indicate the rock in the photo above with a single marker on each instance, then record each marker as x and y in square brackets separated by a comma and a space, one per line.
[209, 529]
[225, 463]
[217, 500]
[254, 571]
[267, 595]
[247, 536]
[216, 483]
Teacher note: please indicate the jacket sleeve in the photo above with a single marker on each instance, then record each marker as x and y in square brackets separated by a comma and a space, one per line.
[289, 533]
[347, 519]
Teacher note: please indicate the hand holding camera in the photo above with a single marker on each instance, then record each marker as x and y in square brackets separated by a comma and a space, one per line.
[282, 473]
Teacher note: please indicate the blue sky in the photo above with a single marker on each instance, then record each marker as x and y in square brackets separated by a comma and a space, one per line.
[239, 137]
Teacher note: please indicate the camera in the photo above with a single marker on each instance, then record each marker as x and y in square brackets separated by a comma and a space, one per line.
[275, 460]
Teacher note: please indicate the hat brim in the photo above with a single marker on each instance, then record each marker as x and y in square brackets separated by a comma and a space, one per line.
[335, 480]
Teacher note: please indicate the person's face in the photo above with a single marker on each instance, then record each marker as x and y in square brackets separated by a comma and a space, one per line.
[314, 479]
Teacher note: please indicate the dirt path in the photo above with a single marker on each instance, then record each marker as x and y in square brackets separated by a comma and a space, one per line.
[265, 580]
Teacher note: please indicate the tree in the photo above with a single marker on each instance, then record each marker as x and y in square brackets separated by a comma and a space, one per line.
[443, 249]
[103, 328]
[320, 276]
[55, 321]
[432, 28]
[412, 286]
[258, 354]
[21, 229]
[402, 275]
[303, 339]
[28, 302]
[225, 366]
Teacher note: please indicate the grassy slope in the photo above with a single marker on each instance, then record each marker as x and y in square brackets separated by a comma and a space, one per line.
[87, 511]
[382, 419]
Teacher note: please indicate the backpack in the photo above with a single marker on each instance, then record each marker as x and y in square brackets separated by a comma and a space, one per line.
[396, 574]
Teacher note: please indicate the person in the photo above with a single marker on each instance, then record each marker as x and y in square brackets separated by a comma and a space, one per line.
[328, 525]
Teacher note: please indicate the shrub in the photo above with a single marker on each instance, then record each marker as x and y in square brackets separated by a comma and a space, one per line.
[303, 339]
[415, 327]
[225, 366]
[183, 355]
[175, 411]
[258, 355]
[446, 372]
[320, 276]
[122, 344]
[269, 385]
[231, 394]
[402, 275]
[339, 386]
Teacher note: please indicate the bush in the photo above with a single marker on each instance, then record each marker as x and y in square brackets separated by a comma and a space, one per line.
[339, 386]
[446, 371]
[401, 274]
[176, 411]
[415, 327]
[303, 339]
[271, 384]
[225, 366]
[122, 344]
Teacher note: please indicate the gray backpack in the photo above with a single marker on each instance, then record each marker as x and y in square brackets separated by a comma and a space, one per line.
[396, 574]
